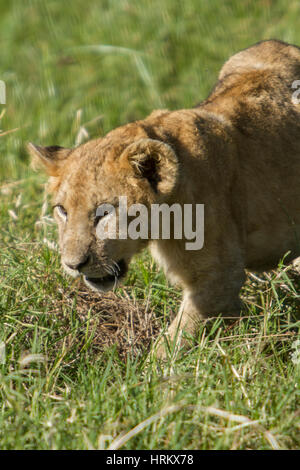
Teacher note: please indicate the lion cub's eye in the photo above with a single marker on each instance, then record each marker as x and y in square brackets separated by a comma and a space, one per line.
[61, 211]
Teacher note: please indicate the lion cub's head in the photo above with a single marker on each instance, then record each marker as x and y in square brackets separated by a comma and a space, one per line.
[95, 175]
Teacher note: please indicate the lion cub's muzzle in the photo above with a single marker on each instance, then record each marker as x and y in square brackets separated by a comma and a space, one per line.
[109, 281]
[94, 279]
[77, 265]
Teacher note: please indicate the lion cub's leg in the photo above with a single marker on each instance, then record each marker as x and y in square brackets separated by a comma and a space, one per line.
[214, 295]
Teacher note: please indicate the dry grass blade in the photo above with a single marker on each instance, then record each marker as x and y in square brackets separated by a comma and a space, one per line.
[9, 132]
[244, 420]
[236, 374]
[122, 439]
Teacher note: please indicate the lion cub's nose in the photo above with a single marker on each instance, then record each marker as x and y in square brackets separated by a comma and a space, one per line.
[79, 265]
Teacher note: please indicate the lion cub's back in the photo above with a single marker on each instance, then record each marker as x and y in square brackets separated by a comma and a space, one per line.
[270, 54]
[254, 93]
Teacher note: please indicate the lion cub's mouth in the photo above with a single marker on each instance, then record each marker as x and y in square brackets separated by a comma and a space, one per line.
[105, 283]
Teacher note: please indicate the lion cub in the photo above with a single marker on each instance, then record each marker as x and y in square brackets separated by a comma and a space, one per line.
[237, 153]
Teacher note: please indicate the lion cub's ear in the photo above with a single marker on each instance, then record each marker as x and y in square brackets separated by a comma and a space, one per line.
[48, 158]
[155, 161]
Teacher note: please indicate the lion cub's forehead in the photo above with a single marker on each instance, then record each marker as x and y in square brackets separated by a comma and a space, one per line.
[86, 185]
[81, 189]
[93, 174]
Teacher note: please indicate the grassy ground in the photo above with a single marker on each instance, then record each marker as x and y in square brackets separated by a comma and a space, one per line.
[72, 377]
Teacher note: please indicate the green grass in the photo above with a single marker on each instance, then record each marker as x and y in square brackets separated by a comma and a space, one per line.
[238, 387]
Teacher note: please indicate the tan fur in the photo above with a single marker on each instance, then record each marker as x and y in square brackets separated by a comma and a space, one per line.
[238, 153]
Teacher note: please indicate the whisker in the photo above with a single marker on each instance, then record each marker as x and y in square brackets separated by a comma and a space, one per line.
[109, 270]
[116, 265]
